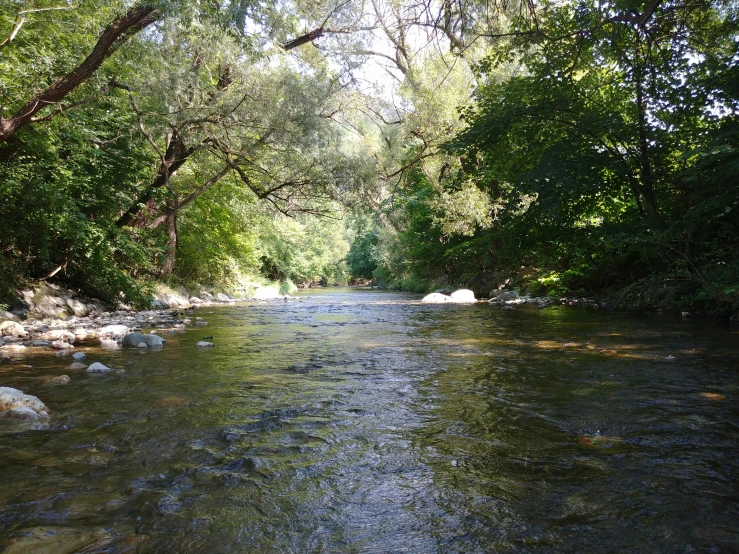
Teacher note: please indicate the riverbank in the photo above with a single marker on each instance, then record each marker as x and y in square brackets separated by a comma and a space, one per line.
[57, 319]
[642, 296]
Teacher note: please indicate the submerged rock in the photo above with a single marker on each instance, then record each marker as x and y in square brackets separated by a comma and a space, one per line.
[60, 380]
[18, 405]
[135, 339]
[599, 440]
[204, 344]
[57, 540]
[97, 367]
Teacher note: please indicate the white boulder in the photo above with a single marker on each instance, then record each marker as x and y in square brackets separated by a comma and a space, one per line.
[15, 404]
[463, 296]
[113, 331]
[12, 329]
[436, 298]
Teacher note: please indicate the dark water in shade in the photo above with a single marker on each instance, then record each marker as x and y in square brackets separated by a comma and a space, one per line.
[364, 421]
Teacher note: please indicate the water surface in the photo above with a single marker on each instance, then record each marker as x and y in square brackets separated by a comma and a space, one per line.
[364, 421]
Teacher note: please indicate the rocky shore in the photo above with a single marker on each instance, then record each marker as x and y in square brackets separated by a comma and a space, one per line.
[55, 319]
[509, 299]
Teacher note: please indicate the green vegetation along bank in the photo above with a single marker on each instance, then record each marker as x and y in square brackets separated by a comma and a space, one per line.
[558, 148]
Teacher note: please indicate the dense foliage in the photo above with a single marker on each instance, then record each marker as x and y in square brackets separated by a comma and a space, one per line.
[180, 153]
[562, 147]
[608, 157]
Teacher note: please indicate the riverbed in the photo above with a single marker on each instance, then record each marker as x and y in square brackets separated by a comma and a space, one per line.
[365, 421]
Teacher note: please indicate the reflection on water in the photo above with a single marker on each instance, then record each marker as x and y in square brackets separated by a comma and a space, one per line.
[362, 421]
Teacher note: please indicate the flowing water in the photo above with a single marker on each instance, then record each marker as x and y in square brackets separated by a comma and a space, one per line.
[365, 421]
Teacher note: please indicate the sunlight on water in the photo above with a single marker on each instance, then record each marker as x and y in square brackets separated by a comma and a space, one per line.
[365, 421]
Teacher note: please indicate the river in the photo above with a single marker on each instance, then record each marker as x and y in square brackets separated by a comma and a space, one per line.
[365, 421]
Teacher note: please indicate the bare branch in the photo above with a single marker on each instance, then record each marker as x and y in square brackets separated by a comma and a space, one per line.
[20, 19]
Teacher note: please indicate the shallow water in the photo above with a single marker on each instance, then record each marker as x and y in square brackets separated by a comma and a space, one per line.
[364, 421]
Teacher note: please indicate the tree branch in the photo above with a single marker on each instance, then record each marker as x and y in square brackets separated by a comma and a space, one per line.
[112, 37]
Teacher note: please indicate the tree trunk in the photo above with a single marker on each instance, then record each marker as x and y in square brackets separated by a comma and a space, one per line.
[171, 253]
[174, 158]
[647, 177]
[114, 35]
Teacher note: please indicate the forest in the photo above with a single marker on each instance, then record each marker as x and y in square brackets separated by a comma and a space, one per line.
[561, 147]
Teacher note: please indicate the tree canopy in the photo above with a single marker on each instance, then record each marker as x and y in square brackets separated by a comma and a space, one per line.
[591, 143]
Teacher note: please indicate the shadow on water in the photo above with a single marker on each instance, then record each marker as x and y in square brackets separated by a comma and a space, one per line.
[364, 421]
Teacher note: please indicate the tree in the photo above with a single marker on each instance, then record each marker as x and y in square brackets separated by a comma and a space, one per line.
[593, 138]
[116, 33]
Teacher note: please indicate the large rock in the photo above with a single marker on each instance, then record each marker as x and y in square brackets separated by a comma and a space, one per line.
[51, 306]
[12, 329]
[442, 291]
[8, 315]
[436, 298]
[113, 331]
[463, 296]
[59, 334]
[76, 307]
[503, 295]
[166, 297]
[18, 405]
[133, 339]
[266, 293]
